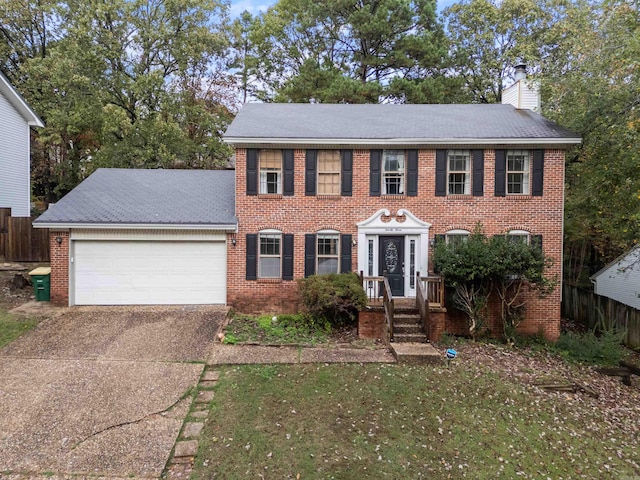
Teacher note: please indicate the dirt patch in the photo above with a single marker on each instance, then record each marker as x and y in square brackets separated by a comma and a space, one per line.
[14, 293]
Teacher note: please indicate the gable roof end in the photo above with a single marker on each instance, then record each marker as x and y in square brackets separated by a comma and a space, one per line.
[19, 103]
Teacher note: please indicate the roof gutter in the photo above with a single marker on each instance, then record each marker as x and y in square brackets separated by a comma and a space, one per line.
[400, 141]
[232, 228]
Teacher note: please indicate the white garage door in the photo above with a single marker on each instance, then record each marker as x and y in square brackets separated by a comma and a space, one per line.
[149, 272]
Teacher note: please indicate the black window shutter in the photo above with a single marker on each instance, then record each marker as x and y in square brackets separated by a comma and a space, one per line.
[347, 173]
[287, 163]
[374, 172]
[309, 254]
[439, 238]
[310, 172]
[501, 172]
[412, 173]
[478, 172]
[536, 240]
[252, 171]
[252, 256]
[287, 257]
[345, 253]
[441, 173]
[538, 173]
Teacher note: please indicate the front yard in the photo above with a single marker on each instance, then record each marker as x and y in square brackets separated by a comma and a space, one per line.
[482, 417]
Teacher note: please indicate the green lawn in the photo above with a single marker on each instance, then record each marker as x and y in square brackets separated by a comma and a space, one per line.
[391, 421]
[11, 327]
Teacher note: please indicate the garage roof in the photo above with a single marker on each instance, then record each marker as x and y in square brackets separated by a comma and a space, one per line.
[135, 198]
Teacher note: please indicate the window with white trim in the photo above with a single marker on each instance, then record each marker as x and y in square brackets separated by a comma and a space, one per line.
[393, 172]
[459, 172]
[270, 254]
[518, 172]
[328, 252]
[519, 236]
[270, 162]
[329, 165]
[456, 237]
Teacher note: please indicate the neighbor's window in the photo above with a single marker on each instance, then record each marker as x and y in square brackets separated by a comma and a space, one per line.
[459, 172]
[456, 237]
[269, 259]
[518, 172]
[393, 172]
[329, 172]
[328, 253]
[270, 171]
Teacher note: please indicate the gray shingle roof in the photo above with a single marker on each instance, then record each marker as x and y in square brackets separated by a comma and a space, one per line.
[128, 196]
[390, 121]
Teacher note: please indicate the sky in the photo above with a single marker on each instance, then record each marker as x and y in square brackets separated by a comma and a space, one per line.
[256, 6]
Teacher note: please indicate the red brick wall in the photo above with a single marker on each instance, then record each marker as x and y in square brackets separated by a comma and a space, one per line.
[300, 214]
[59, 268]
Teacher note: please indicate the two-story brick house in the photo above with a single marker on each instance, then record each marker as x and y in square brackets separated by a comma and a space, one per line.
[367, 188]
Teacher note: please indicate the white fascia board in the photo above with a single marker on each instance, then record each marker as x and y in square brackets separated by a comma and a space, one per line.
[233, 228]
[239, 141]
[19, 103]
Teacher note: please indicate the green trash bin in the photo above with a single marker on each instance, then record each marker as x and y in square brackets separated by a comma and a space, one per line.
[41, 279]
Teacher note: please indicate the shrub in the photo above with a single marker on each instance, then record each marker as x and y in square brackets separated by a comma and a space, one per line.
[603, 349]
[335, 298]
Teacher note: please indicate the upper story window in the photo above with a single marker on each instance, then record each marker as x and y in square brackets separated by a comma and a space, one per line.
[459, 172]
[328, 252]
[270, 164]
[393, 172]
[329, 166]
[270, 254]
[518, 172]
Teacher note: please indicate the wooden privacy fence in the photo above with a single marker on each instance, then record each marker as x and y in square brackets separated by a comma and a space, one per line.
[19, 241]
[584, 306]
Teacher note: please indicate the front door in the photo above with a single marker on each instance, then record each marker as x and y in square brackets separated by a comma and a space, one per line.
[391, 262]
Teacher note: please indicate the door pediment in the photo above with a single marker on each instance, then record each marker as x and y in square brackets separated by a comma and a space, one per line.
[402, 221]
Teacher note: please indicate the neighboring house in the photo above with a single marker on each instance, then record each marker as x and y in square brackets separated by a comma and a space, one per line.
[127, 237]
[16, 118]
[620, 280]
[318, 188]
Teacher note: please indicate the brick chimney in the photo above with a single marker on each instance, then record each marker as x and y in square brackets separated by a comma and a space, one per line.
[523, 93]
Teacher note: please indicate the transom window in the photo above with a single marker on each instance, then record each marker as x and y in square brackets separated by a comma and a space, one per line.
[328, 254]
[518, 172]
[393, 172]
[269, 258]
[270, 171]
[329, 172]
[459, 172]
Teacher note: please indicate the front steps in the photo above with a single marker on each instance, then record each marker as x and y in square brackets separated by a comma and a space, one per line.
[409, 339]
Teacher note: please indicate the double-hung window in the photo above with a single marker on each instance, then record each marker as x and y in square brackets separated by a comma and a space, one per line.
[270, 254]
[328, 253]
[521, 236]
[459, 172]
[329, 164]
[393, 172]
[456, 237]
[518, 167]
[270, 162]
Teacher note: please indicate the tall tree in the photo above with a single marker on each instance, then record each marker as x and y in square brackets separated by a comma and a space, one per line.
[345, 50]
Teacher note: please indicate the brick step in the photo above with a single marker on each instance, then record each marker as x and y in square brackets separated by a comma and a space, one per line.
[409, 337]
[416, 353]
[406, 311]
[404, 318]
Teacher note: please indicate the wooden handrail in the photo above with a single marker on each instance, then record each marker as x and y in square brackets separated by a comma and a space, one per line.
[434, 286]
[372, 286]
[422, 303]
[389, 307]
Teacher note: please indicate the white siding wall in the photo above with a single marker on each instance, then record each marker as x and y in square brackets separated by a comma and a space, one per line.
[522, 95]
[15, 190]
[621, 281]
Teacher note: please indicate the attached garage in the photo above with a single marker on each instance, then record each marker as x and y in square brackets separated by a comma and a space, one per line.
[142, 237]
[188, 270]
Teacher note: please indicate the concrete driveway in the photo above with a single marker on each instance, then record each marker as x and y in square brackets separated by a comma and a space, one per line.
[101, 391]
